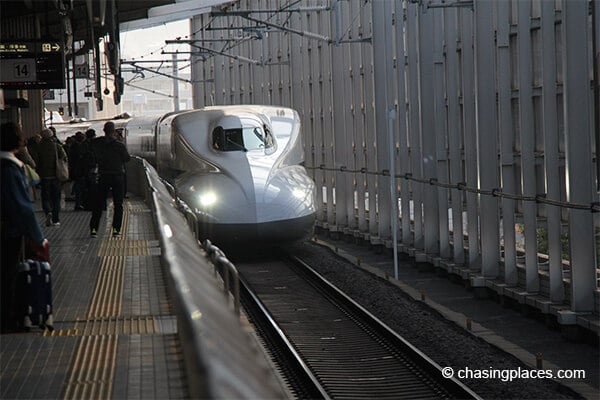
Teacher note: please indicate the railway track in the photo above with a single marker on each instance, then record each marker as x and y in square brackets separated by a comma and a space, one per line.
[327, 346]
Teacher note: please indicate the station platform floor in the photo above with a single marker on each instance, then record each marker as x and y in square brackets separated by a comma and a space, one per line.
[507, 327]
[115, 330]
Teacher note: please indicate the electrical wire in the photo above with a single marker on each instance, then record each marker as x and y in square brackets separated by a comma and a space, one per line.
[594, 207]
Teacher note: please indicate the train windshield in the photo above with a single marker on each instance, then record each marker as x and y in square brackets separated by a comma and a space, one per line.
[244, 139]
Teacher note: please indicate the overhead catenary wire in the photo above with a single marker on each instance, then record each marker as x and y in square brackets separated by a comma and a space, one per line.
[497, 192]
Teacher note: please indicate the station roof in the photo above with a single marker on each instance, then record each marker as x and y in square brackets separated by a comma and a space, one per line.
[132, 14]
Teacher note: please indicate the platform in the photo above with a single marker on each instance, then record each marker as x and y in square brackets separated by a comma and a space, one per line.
[115, 331]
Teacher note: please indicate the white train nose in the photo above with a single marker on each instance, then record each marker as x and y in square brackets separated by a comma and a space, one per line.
[217, 198]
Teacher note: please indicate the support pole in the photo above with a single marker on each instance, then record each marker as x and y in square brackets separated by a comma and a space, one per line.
[175, 84]
[75, 106]
[68, 81]
[393, 190]
[578, 154]
[487, 135]
[596, 63]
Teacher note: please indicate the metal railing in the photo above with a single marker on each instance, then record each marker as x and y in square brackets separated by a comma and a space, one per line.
[228, 271]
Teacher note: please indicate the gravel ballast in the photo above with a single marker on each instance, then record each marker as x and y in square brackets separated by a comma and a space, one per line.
[442, 340]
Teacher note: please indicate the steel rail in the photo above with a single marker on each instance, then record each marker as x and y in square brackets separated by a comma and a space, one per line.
[301, 379]
[351, 353]
[452, 385]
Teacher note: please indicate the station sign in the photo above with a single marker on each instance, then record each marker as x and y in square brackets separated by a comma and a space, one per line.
[32, 65]
[81, 71]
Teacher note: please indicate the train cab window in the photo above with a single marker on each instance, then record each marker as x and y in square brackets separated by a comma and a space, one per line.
[244, 139]
[227, 139]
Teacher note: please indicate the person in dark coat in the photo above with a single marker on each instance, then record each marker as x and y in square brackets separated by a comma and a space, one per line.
[76, 168]
[111, 156]
[45, 159]
[17, 220]
[90, 171]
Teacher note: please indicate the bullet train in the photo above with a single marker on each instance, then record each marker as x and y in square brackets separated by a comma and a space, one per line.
[239, 168]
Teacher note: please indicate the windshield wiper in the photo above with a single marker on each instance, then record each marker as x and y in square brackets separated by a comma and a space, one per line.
[239, 146]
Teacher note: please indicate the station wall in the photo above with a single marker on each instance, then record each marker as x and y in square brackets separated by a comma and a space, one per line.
[478, 119]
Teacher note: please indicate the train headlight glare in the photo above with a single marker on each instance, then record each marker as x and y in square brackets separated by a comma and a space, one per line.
[208, 199]
[299, 193]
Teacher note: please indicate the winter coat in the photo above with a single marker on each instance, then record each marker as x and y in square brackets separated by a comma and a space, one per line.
[111, 155]
[88, 157]
[17, 216]
[45, 157]
[77, 162]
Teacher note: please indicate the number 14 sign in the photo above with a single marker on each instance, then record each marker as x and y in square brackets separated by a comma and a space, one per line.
[18, 70]
[32, 64]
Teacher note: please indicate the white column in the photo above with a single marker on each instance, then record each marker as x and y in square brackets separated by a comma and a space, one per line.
[441, 130]
[507, 141]
[487, 134]
[382, 61]
[551, 150]
[578, 135]
[340, 146]
[470, 134]
[402, 123]
[428, 117]
[527, 139]
[414, 126]
[454, 138]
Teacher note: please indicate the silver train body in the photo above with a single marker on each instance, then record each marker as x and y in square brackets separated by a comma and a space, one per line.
[239, 168]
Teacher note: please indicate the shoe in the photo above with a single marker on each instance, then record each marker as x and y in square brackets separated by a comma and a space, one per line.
[48, 219]
[56, 224]
[116, 233]
[93, 233]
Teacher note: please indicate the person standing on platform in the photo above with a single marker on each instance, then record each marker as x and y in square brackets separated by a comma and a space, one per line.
[90, 171]
[45, 158]
[111, 156]
[121, 139]
[77, 168]
[25, 157]
[17, 220]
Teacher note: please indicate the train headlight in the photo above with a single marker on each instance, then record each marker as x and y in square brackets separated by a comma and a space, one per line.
[208, 199]
[299, 193]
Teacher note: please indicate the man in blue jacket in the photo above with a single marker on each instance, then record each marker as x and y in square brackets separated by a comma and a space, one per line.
[17, 220]
[111, 156]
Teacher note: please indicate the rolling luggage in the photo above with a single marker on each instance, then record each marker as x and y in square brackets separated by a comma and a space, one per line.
[34, 289]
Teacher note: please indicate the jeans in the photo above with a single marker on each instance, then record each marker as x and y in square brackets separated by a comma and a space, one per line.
[51, 197]
[114, 182]
[78, 185]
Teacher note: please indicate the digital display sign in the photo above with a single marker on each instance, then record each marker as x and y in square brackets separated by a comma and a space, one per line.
[32, 65]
